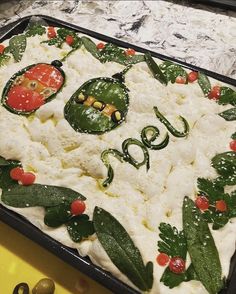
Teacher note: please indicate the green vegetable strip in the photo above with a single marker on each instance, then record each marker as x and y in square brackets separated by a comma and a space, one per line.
[154, 134]
[204, 83]
[130, 159]
[122, 250]
[104, 157]
[168, 125]
[202, 248]
[229, 114]
[157, 73]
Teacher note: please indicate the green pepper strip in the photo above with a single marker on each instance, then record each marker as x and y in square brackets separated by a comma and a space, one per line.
[120, 76]
[154, 133]
[168, 125]
[128, 158]
[104, 157]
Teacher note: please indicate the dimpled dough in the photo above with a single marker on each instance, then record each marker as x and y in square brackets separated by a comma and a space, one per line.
[140, 200]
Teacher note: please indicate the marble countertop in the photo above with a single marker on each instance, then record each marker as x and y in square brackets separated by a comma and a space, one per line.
[201, 35]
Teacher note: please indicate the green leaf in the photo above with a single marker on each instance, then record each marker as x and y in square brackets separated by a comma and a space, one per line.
[233, 136]
[154, 68]
[38, 195]
[34, 30]
[5, 167]
[63, 33]
[79, 228]
[121, 249]
[172, 71]
[91, 47]
[173, 280]
[110, 52]
[17, 46]
[227, 96]
[202, 248]
[173, 242]
[4, 58]
[225, 164]
[229, 114]
[204, 83]
[210, 188]
[56, 216]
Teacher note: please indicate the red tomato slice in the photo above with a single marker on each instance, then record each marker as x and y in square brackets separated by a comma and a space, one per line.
[46, 74]
[23, 99]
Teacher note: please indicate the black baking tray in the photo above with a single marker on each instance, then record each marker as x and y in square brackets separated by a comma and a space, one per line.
[67, 254]
[224, 4]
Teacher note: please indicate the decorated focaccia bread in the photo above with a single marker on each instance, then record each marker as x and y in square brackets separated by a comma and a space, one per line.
[129, 159]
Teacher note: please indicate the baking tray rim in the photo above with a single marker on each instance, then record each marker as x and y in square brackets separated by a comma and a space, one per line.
[67, 254]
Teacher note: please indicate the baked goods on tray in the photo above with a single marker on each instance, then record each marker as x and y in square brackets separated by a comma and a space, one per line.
[129, 159]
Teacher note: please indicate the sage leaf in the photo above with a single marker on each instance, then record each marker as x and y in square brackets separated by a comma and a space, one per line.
[154, 68]
[80, 227]
[56, 216]
[91, 47]
[202, 248]
[121, 249]
[17, 46]
[38, 195]
[204, 83]
[229, 114]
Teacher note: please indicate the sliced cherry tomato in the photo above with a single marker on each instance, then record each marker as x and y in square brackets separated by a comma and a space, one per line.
[23, 99]
[46, 74]
[232, 145]
[221, 206]
[180, 80]
[100, 45]
[27, 179]
[16, 173]
[51, 32]
[2, 48]
[130, 52]
[69, 40]
[77, 207]
[192, 76]
[214, 93]
[162, 259]
[202, 203]
[177, 265]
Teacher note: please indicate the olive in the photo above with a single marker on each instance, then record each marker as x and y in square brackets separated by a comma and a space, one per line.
[44, 286]
[81, 98]
[32, 85]
[56, 63]
[99, 105]
[117, 116]
[47, 92]
[21, 288]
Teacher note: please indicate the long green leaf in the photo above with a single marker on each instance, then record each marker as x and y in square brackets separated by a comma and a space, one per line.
[38, 195]
[202, 248]
[229, 114]
[17, 46]
[154, 68]
[121, 249]
[204, 83]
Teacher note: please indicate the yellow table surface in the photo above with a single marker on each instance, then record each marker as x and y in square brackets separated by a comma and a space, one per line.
[22, 260]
